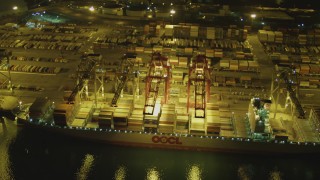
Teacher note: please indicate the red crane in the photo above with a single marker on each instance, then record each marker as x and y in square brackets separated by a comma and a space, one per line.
[199, 77]
[159, 72]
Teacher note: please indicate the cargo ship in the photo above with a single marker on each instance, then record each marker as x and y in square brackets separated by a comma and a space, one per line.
[162, 119]
[108, 132]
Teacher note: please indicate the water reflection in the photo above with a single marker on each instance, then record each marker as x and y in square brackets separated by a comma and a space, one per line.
[275, 175]
[153, 174]
[86, 167]
[6, 138]
[245, 172]
[29, 154]
[194, 172]
[120, 173]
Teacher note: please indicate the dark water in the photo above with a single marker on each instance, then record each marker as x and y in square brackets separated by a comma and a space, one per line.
[25, 154]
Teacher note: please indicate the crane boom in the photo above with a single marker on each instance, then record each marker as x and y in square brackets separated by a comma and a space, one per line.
[284, 75]
[85, 75]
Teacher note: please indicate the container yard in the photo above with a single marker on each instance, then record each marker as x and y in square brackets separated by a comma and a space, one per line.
[299, 50]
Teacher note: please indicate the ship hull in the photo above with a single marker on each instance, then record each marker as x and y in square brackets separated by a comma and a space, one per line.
[181, 142]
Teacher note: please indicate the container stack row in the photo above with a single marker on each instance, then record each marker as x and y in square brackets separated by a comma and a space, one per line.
[308, 69]
[213, 119]
[197, 125]
[69, 46]
[241, 128]
[136, 119]
[39, 109]
[31, 69]
[185, 47]
[182, 120]
[239, 65]
[63, 114]
[304, 131]
[167, 118]
[122, 113]
[103, 117]
[211, 53]
[312, 37]
[47, 37]
[39, 59]
[226, 126]
[310, 83]
[195, 31]
[84, 114]
[230, 81]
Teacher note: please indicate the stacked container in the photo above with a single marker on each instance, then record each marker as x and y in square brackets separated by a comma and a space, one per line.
[314, 69]
[271, 37]
[197, 126]
[304, 131]
[63, 114]
[263, 36]
[213, 119]
[304, 69]
[183, 62]
[243, 65]
[284, 58]
[169, 30]
[181, 31]
[121, 114]
[152, 28]
[31, 69]
[202, 32]
[211, 33]
[253, 66]
[278, 37]
[219, 33]
[305, 59]
[194, 31]
[234, 65]
[220, 79]
[182, 118]
[209, 53]
[225, 118]
[146, 29]
[39, 108]
[83, 115]
[239, 55]
[104, 117]
[120, 118]
[314, 83]
[230, 81]
[136, 119]
[173, 60]
[302, 38]
[218, 53]
[167, 119]
[158, 29]
[188, 51]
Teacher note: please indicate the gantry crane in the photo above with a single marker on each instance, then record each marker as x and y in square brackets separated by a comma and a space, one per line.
[85, 69]
[199, 76]
[292, 94]
[125, 71]
[159, 71]
[284, 77]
